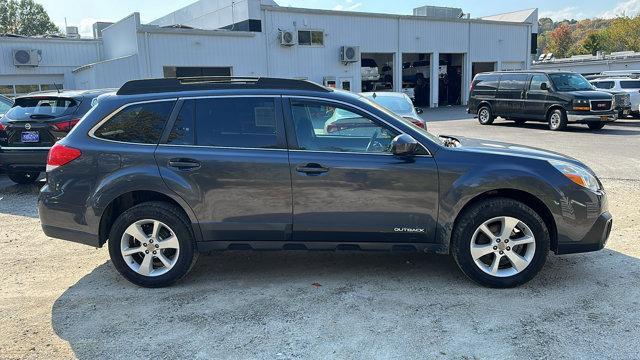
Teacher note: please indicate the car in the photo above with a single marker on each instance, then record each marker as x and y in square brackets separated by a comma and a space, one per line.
[5, 104]
[630, 86]
[164, 169]
[400, 104]
[36, 122]
[557, 98]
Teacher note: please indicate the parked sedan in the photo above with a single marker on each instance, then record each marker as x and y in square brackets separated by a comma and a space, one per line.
[400, 104]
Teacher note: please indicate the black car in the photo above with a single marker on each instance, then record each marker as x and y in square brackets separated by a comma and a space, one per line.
[5, 104]
[34, 123]
[558, 98]
[164, 169]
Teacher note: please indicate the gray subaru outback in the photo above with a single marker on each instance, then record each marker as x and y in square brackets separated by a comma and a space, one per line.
[164, 169]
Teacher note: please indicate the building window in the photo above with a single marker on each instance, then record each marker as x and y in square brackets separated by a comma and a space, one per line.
[18, 90]
[191, 71]
[310, 37]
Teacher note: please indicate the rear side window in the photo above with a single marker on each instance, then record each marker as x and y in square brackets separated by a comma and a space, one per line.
[42, 108]
[604, 84]
[236, 122]
[513, 81]
[486, 82]
[635, 84]
[139, 123]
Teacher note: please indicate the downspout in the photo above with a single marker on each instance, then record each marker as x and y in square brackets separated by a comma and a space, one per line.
[267, 32]
[147, 55]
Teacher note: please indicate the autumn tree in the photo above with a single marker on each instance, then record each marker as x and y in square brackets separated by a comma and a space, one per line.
[560, 41]
[25, 17]
[593, 43]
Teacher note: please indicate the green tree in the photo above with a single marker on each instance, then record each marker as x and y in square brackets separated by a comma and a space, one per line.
[593, 43]
[25, 17]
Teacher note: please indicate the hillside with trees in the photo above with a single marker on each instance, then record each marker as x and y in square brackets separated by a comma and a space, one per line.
[571, 37]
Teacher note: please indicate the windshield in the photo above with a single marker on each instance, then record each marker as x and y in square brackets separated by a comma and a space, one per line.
[397, 104]
[41, 108]
[570, 82]
[431, 137]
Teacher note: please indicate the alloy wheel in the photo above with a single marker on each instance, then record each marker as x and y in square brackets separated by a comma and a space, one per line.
[150, 247]
[503, 246]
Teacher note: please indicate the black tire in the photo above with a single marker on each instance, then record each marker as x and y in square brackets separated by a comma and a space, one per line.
[484, 211]
[596, 125]
[24, 178]
[485, 115]
[175, 219]
[520, 121]
[557, 120]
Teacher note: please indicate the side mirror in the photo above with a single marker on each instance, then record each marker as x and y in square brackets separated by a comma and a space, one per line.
[544, 87]
[419, 110]
[404, 145]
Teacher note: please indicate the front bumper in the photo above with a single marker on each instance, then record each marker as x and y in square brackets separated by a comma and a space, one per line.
[585, 117]
[594, 240]
[23, 159]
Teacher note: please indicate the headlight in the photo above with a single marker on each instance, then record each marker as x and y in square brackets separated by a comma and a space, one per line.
[577, 174]
[581, 105]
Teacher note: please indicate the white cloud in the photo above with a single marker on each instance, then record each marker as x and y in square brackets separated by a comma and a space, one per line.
[629, 8]
[348, 5]
[568, 13]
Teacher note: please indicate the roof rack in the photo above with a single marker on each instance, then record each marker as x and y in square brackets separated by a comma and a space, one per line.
[214, 83]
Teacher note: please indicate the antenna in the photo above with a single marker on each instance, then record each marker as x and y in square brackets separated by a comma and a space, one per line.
[57, 88]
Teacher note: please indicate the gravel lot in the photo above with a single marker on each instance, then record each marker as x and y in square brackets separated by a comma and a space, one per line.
[61, 300]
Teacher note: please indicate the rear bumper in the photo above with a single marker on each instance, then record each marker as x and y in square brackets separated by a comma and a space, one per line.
[579, 117]
[19, 159]
[594, 240]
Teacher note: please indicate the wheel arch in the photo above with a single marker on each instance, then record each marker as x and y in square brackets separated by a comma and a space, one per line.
[127, 200]
[522, 196]
[554, 107]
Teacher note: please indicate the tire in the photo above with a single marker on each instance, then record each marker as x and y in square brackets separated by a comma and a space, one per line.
[24, 178]
[557, 120]
[496, 212]
[596, 125]
[178, 250]
[485, 115]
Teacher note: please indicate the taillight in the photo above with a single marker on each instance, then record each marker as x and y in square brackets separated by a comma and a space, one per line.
[60, 155]
[419, 124]
[331, 128]
[65, 126]
[2, 127]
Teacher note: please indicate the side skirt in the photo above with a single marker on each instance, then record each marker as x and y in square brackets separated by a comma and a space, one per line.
[209, 246]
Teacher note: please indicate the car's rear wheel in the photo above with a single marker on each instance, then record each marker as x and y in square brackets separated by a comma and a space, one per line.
[500, 243]
[152, 244]
[24, 177]
[557, 120]
[596, 125]
[485, 115]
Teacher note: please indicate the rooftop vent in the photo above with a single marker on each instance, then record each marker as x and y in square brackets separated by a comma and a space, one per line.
[439, 12]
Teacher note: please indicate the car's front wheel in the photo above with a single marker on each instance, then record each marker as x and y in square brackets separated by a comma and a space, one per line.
[500, 243]
[557, 120]
[485, 115]
[24, 178]
[152, 244]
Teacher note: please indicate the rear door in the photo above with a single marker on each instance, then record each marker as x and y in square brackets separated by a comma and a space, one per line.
[535, 105]
[226, 157]
[347, 186]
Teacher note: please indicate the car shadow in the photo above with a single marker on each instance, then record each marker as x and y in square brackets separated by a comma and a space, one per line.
[611, 129]
[310, 304]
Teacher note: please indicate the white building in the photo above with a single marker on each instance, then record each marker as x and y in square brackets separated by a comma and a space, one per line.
[593, 64]
[260, 38]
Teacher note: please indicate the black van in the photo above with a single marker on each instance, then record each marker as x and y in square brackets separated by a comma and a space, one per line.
[558, 98]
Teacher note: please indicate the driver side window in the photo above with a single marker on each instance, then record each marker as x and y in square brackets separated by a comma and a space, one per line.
[329, 127]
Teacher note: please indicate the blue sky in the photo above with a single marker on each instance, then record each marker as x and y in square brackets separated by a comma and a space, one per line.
[84, 13]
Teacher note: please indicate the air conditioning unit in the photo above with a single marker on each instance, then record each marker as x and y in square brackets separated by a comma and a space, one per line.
[22, 57]
[287, 38]
[349, 54]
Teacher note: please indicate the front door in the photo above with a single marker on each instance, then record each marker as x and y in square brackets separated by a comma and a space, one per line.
[535, 105]
[227, 158]
[348, 187]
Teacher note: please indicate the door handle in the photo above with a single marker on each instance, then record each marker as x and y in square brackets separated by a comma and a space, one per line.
[184, 164]
[312, 169]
